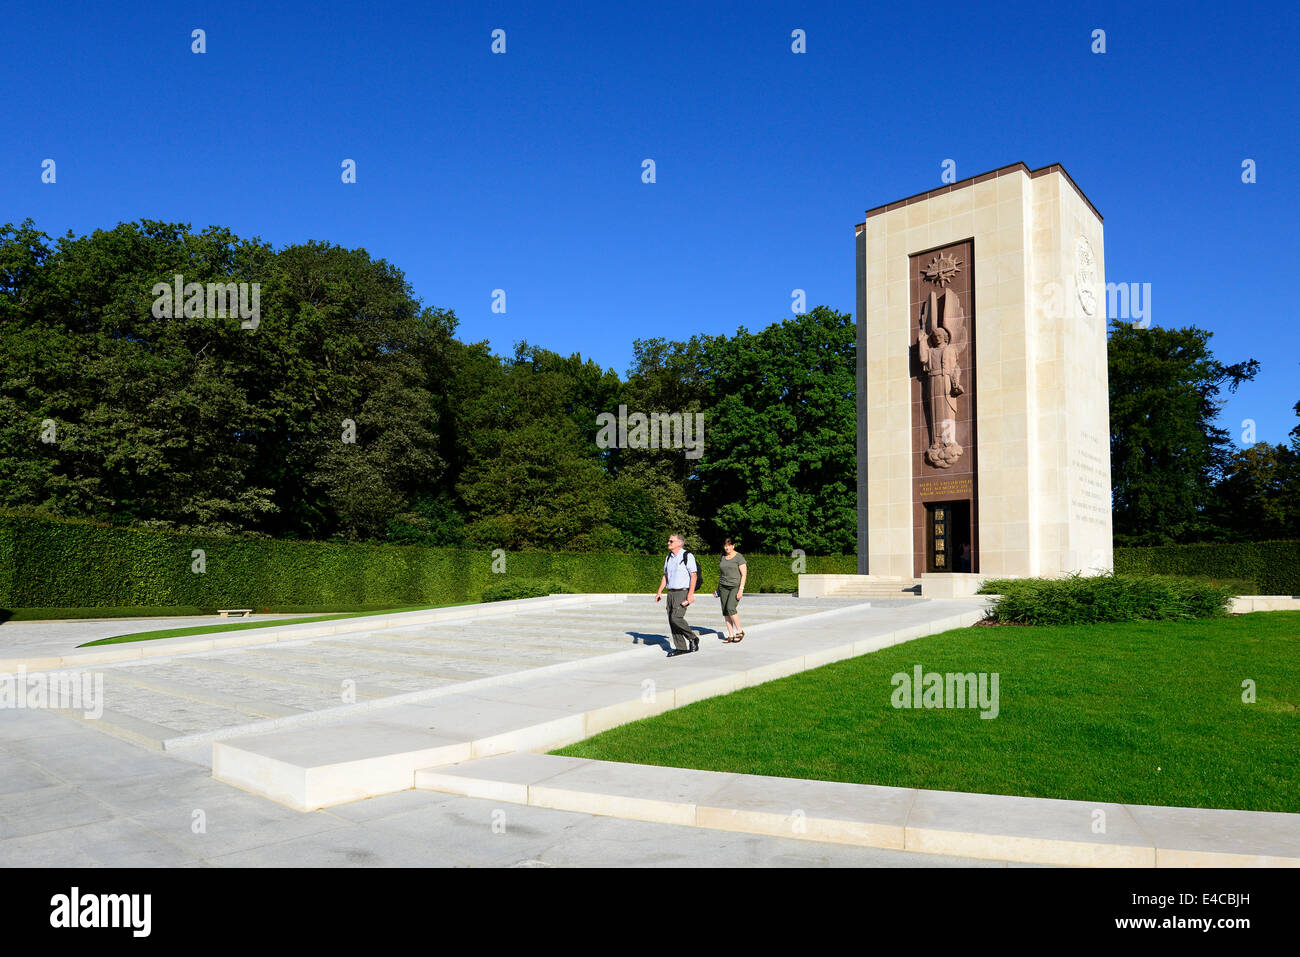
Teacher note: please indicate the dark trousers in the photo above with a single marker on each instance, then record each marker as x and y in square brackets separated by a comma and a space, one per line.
[681, 631]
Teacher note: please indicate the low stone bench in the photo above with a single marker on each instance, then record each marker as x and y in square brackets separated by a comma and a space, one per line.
[226, 612]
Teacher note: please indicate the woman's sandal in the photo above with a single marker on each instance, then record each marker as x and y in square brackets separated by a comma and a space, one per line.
[739, 637]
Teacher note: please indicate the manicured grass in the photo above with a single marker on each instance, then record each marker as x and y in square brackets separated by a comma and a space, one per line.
[1133, 712]
[244, 625]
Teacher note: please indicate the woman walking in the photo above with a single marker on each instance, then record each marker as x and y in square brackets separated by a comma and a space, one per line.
[731, 588]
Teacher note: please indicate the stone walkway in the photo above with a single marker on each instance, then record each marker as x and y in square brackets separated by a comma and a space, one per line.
[303, 674]
[405, 740]
[72, 795]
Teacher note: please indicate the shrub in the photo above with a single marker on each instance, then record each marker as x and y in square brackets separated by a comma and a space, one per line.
[1080, 600]
[512, 588]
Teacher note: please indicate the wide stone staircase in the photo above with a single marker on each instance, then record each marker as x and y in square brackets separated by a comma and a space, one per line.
[179, 701]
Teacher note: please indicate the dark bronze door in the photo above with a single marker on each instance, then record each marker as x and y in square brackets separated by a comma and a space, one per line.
[948, 546]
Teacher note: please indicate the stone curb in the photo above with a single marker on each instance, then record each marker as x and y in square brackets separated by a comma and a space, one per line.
[992, 826]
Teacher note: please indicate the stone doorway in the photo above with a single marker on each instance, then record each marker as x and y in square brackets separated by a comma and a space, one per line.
[949, 542]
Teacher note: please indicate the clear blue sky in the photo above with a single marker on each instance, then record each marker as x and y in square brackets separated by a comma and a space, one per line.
[523, 171]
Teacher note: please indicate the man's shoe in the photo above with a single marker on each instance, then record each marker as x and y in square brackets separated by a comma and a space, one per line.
[695, 644]
[678, 651]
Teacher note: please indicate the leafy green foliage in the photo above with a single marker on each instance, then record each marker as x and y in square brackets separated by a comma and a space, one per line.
[1258, 498]
[1272, 567]
[1082, 600]
[195, 423]
[782, 462]
[1166, 451]
[77, 564]
[67, 612]
[513, 588]
[779, 468]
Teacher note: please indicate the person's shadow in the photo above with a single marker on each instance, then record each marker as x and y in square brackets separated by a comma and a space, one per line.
[641, 638]
[638, 638]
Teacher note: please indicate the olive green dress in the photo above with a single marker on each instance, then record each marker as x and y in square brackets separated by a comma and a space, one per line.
[729, 581]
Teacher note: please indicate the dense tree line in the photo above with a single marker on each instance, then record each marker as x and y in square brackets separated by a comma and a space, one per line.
[352, 411]
[1176, 475]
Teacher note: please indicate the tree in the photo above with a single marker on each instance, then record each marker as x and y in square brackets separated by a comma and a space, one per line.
[529, 473]
[1166, 451]
[196, 422]
[780, 464]
[1256, 499]
[355, 375]
[646, 504]
[144, 413]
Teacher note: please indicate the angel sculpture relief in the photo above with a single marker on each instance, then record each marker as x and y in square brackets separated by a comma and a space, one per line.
[939, 345]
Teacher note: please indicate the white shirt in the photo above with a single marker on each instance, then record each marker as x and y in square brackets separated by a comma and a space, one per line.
[678, 576]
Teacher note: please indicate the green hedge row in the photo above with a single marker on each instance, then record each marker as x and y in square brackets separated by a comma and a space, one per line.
[48, 563]
[1274, 567]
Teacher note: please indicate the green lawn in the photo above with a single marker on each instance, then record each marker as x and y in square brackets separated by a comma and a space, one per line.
[1138, 712]
[244, 625]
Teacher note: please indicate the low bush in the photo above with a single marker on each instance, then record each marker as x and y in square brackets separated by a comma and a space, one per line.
[1082, 600]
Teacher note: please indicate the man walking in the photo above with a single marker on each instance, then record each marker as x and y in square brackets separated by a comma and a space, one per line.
[680, 576]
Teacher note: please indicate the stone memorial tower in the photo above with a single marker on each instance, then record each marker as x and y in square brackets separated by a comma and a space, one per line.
[983, 417]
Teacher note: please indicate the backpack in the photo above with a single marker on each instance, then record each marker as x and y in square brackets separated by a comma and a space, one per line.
[699, 569]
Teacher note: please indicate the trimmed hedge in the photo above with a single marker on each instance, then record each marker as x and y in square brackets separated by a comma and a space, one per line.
[1274, 567]
[56, 565]
[515, 588]
[65, 613]
[1085, 600]
[47, 563]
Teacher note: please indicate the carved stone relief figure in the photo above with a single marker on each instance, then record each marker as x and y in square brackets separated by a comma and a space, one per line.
[942, 338]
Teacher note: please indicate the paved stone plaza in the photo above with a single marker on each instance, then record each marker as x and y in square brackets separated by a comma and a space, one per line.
[76, 794]
[182, 699]
[405, 740]
[74, 797]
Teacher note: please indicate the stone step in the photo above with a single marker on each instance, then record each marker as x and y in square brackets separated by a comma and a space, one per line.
[343, 655]
[903, 589]
[429, 643]
[126, 726]
[367, 690]
[1002, 827]
[435, 668]
[196, 691]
